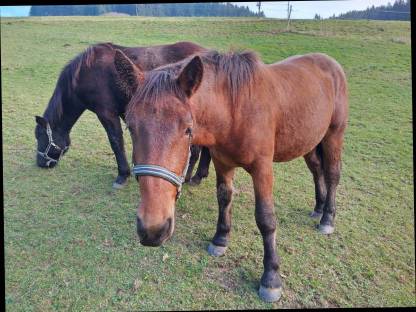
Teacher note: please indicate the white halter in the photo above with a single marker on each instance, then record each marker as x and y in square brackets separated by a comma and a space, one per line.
[51, 143]
[161, 172]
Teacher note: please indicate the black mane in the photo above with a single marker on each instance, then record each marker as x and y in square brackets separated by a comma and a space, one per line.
[68, 80]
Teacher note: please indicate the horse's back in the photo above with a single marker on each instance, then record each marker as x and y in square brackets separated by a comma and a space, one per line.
[151, 57]
[98, 82]
[319, 68]
[311, 93]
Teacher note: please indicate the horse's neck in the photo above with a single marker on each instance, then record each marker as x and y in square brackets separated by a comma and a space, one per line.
[72, 109]
[217, 117]
[212, 115]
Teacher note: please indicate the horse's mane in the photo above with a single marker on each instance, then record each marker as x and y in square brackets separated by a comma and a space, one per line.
[68, 79]
[238, 68]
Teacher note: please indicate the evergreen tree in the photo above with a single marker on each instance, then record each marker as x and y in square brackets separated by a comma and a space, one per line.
[400, 10]
[166, 9]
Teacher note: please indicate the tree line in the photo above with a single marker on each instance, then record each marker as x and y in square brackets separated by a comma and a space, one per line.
[165, 9]
[400, 10]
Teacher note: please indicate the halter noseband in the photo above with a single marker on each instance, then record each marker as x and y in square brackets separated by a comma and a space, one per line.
[166, 174]
[51, 143]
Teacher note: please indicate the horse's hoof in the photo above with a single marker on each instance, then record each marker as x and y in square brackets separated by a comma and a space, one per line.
[215, 250]
[315, 214]
[119, 186]
[270, 294]
[194, 182]
[326, 229]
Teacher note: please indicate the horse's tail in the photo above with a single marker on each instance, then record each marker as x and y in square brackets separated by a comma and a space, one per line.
[341, 96]
[340, 115]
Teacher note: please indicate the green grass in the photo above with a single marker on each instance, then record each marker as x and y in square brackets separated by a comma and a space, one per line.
[70, 240]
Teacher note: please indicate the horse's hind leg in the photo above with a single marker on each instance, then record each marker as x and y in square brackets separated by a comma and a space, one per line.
[331, 148]
[225, 175]
[314, 162]
[203, 167]
[195, 151]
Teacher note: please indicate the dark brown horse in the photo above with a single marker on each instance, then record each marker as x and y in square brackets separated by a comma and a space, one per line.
[249, 115]
[90, 81]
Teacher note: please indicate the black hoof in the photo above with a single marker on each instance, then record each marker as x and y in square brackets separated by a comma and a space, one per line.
[215, 250]
[315, 215]
[120, 182]
[194, 181]
[270, 294]
[326, 229]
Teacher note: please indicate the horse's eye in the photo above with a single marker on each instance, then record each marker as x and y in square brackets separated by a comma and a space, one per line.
[188, 131]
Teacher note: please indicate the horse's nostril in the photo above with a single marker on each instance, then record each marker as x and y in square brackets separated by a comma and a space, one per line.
[140, 229]
[166, 228]
[153, 237]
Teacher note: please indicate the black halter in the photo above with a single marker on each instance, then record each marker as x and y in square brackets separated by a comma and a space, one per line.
[166, 174]
[51, 143]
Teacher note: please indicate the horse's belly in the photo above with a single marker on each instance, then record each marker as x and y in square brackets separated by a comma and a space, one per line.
[300, 138]
[225, 158]
[283, 154]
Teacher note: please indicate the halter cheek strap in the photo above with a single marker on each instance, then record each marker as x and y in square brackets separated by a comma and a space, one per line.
[51, 143]
[166, 174]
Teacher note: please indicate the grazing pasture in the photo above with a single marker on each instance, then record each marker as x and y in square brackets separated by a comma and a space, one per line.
[70, 239]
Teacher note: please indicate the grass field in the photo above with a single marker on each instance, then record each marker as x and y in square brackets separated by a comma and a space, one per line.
[70, 240]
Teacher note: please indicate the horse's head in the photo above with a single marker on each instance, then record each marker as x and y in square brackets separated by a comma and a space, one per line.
[160, 122]
[51, 144]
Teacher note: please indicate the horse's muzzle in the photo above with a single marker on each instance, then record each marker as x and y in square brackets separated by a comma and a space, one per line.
[155, 236]
[43, 163]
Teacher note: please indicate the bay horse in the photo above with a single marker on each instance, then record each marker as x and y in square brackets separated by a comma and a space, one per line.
[249, 115]
[90, 81]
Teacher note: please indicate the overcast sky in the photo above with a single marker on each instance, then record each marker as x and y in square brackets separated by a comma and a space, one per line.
[307, 9]
[276, 9]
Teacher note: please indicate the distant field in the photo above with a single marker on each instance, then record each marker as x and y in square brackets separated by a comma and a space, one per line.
[70, 240]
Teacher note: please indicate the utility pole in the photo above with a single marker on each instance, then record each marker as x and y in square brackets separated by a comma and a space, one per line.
[289, 11]
[259, 6]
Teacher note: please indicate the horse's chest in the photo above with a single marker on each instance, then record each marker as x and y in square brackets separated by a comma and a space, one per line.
[227, 158]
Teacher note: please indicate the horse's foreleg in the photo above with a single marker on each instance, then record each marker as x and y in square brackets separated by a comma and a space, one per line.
[262, 175]
[195, 151]
[314, 162]
[203, 167]
[112, 125]
[332, 148]
[225, 176]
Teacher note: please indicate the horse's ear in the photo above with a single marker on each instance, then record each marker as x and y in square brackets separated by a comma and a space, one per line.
[41, 121]
[191, 76]
[130, 75]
